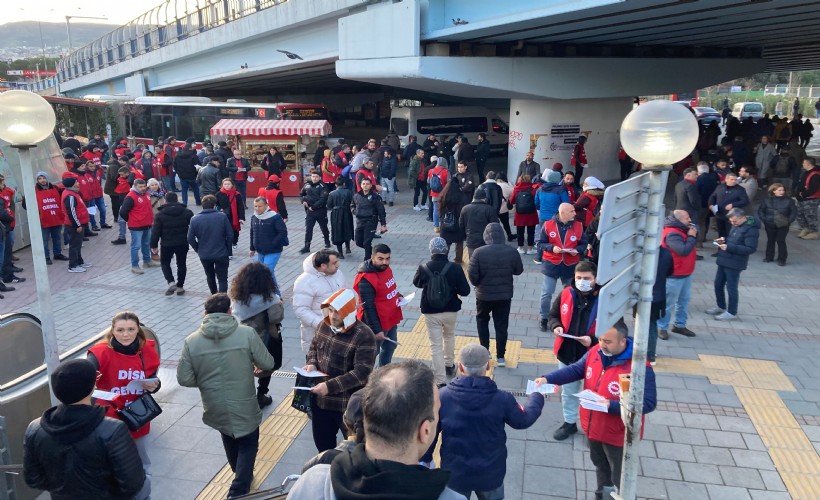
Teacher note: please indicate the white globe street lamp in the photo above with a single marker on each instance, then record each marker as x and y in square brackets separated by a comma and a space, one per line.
[657, 134]
[25, 120]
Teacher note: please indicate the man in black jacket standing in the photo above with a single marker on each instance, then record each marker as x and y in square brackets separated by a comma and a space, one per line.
[474, 219]
[74, 450]
[491, 272]
[440, 305]
[185, 165]
[314, 199]
[687, 196]
[171, 227]
[211, 236]
[368, 209]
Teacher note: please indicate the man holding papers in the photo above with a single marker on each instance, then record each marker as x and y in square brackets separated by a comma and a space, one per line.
[379, 301]
[572, 320]
[600, 412]
[344, 349]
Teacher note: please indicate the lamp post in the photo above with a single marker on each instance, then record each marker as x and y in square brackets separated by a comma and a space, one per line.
[26, 119]
[656, 134]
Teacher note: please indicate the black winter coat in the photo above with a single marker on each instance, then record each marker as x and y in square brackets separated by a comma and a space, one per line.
[223, 203]
[452, 202]
[455, 278]
[341, 218]
[777, 211]
[687, 197]
[268, 233]
[740, 243]
[725, 195]
[315, 195]
[493, 266]
[171, 225]
[76, 452]
[474, 219]
[185, 165]
[368, 207]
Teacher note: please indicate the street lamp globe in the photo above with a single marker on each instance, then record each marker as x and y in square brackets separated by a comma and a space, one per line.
[25, 118]
[659, 133]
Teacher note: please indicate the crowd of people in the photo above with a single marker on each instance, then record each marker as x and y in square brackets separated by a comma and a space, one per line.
[390, 415]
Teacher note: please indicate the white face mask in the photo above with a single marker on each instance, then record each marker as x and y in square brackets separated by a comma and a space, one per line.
[583, 285]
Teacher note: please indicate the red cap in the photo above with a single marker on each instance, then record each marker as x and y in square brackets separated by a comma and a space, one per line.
[274, 178]
[69, 174]
[557, 166]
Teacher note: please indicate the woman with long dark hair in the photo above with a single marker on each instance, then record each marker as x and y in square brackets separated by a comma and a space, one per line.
[451, 201]
[256, 302]
[231, 203]
[777, 212]
[123, 356]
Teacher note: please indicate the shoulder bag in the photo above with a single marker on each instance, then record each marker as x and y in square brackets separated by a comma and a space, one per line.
[140, 411]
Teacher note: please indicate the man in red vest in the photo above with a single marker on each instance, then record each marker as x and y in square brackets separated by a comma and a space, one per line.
[75, 218]
[679, 237]
[8, 195]
[574, 313]
[599, 369]
[379, 301]
[559, 241]
[136, 210]
[51, 216]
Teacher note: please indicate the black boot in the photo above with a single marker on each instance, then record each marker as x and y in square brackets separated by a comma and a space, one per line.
[327, 242]
[307, 247]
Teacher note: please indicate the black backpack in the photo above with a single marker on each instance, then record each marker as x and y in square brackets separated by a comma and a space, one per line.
[438, 288]
[525, 202]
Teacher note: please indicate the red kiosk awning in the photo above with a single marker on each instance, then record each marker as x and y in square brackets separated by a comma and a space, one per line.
[229, 126]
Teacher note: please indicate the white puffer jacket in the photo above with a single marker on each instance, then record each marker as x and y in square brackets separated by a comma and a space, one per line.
[309, 291]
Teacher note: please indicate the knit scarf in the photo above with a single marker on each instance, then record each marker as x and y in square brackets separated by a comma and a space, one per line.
[231, 193]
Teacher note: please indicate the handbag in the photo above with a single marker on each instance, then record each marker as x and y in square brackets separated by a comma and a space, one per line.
[140, 411]
[303, 399]
[449, 220]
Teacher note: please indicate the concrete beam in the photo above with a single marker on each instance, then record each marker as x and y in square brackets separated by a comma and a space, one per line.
[550, 78]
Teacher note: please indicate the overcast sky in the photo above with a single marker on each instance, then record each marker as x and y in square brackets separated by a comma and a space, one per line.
[55, 10]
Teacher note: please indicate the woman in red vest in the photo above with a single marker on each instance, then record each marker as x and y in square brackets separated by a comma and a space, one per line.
[124, 357]
[231, 203]
[329, 171]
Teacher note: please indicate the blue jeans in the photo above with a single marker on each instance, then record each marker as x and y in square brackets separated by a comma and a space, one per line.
[242, 187]
[169, 182]
[547, 289]
[121, 225]
[678, 293]
[728, 278]
[194, 187]
[496, 494]
[385, 349]
[570, 403]
[140, 240]
[270, 260]
[434, 201]
[56, 234]
[388, 189]
[100, 204]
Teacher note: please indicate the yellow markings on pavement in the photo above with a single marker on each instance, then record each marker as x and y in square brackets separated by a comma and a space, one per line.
[276, 434]
[681, 366]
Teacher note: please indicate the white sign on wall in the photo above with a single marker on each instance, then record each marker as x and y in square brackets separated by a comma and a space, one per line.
[557, 145]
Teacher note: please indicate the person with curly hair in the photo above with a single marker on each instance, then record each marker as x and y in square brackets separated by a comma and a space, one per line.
[256, 302]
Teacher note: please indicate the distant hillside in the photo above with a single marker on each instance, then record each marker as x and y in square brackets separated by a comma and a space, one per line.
[27, 34]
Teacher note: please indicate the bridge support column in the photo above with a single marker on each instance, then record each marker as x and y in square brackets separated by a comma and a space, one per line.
[550, 128]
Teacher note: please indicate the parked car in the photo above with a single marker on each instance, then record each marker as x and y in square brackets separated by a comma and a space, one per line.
[743, 110]
[706, 116]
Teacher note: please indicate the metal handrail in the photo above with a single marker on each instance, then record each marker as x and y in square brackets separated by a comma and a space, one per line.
[166, 23]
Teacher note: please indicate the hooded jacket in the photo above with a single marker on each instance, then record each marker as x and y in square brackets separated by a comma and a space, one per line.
[455, 278]
[171, 225]
[740, 243]
[493, 266]
[269, 234]
[185, 164]
[310, 289]
[548, 198]
[474, 219]
[473, 418]
[74, 451]
[218, 359]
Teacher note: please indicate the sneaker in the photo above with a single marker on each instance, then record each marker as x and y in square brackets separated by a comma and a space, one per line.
[813, 235]
[682, 330]
[436, 230]
[713, 311]
[803, 232]
[180, 290]
[106, 226]
[501, 362]
[520, 250]
[92, 233]
[652, 362]
[781, 263]
[449, 370]
[119, 241]
[417, 208]
[16, 269]
[13, 279]
[151, 263]
[663, 334]
[48, 261]
[60, 256]
[532, 251]
[77, 269]
[565, 431]
[264, 400]
[390, 204]
[86, 239]
[542, 324]
[306, 250]
[536, 260]
[137, 270]
[235, 247]
[85, 265]
[95, 228]
[172, 288]
[726, 316]
[423, 207]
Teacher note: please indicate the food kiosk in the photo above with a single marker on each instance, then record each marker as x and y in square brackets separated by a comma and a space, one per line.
[255, 138]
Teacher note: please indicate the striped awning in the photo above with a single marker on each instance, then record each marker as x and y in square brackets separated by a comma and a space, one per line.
[229, 126]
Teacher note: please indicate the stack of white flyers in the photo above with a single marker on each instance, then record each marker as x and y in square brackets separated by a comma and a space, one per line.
[544, 389]
[315, 373]
[593, 401]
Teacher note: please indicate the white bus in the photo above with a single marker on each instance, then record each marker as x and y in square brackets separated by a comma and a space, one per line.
[446, 121]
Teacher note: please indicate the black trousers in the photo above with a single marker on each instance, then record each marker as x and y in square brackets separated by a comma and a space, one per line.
[166, 254]
[776, 235]
[326, 425]
[723, 226]
[311, 218]
[421, 188]
[363, 236]
[241, 453]
[274, 347]
[7, 262]
[530, 230]
[505, 223]
[216, 270]
[75, 246]
[607, 460]
[116, 203]
[500, 311]
[626, 169]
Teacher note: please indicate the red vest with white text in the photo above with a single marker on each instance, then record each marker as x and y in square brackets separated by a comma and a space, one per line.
[79, 207]
[387, 297]
[142, 215]
[567, 308]
[7, 194]
[571, 239]
[50, 207]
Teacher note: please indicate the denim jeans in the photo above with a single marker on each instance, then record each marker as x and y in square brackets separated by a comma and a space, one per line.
[547, 289]
[570, 403]
[270, 260]
[194, 187]
[385, 349]
[140, 240]
[169, 182]
[56, 234]
[728, 278]
[241, 453]
[434, 203]
[496, 494]
[121, 226]
[678, 293]
[100, 204]
[388, 189]
[242, 187]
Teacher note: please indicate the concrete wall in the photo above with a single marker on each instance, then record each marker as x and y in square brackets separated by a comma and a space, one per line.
[531, 121]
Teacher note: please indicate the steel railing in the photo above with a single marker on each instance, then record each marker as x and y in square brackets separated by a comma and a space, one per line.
[167, 23]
